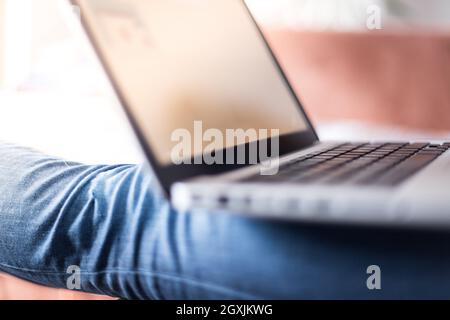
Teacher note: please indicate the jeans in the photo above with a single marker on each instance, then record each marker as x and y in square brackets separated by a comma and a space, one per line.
[112, 222]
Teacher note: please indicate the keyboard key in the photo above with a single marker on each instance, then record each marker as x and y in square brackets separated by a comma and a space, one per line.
[406, 169]
[417, 146]
[368, 175]
[358, 163]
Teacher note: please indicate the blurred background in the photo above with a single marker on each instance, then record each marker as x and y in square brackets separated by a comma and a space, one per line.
[378, 68]
[364, 69]
[384, 62]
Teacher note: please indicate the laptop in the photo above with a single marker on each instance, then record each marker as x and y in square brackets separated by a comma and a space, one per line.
[224, 131]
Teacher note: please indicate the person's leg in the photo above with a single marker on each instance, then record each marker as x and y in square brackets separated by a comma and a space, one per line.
[129, 243]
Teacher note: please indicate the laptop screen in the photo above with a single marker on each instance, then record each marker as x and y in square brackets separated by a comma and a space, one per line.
[191, 65]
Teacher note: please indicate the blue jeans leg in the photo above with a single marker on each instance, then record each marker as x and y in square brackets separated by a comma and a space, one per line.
[114, 224]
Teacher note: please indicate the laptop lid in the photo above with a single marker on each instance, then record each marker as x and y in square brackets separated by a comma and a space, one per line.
[192, 68]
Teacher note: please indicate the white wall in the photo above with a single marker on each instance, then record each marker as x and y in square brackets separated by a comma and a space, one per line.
[30, 27]
[2, 30]
[48, 25]
[18, 40]
[352, 14]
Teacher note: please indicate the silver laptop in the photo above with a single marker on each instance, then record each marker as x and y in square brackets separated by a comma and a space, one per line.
[224, 131]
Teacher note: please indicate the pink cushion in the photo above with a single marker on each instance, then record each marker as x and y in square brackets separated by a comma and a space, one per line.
[15, 289]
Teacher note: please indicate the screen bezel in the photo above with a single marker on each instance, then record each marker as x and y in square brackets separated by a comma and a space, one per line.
[167, 175]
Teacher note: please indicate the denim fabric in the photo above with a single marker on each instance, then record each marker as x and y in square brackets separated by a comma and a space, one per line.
[113, 223]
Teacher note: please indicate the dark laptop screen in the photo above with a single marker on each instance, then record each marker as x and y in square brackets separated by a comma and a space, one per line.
[181, 63]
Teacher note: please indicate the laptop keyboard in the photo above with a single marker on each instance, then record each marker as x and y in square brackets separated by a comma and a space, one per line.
[384, 164]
